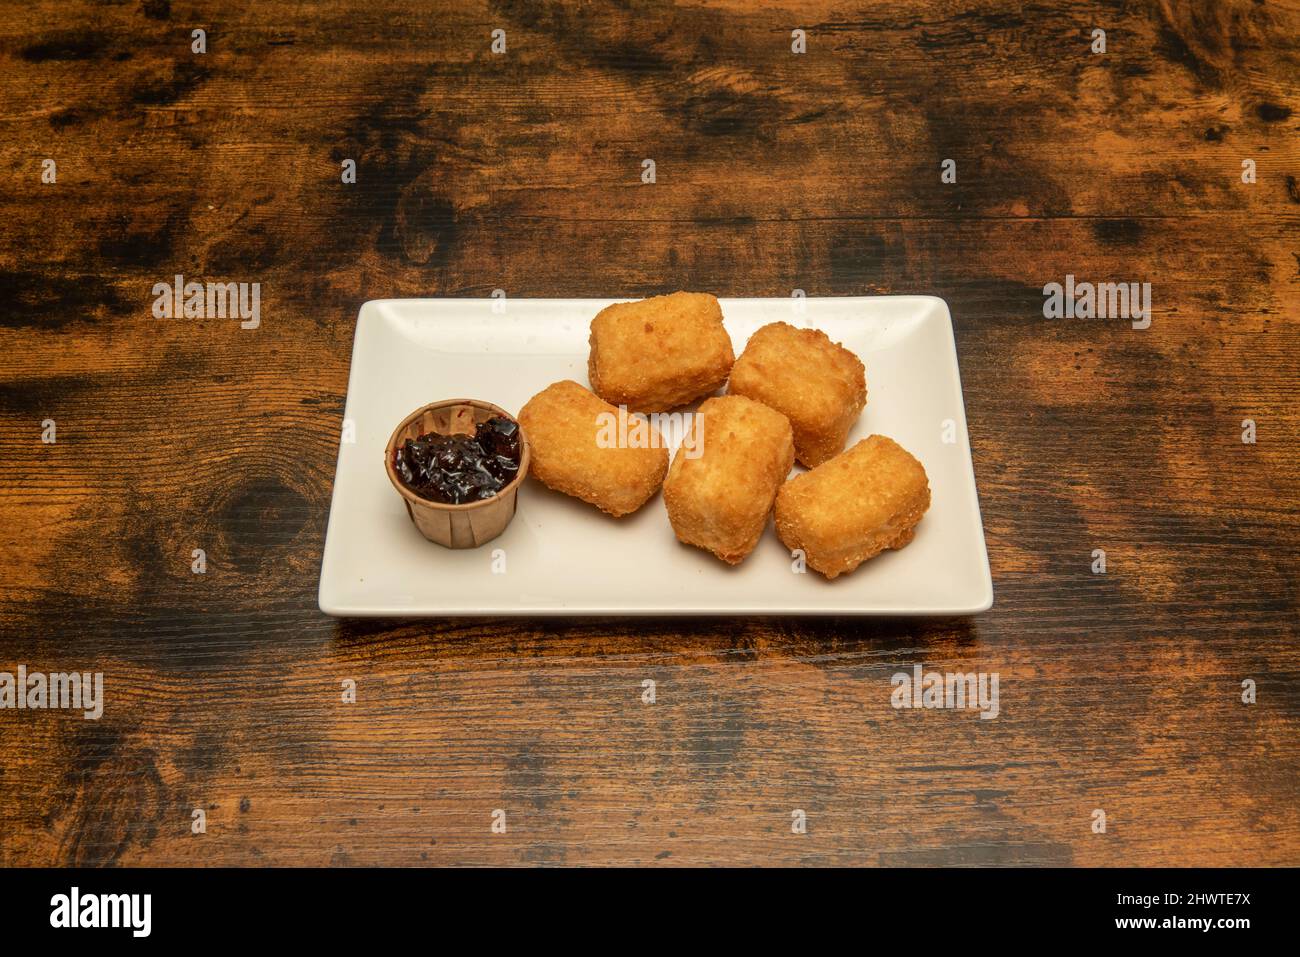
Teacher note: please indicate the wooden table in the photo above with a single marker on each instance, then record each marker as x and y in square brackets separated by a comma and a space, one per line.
[774, 171]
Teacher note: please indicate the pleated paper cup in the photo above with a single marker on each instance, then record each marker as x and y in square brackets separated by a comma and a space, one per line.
[456, 526]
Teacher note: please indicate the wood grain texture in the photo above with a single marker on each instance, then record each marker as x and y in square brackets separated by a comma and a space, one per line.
[775, 171]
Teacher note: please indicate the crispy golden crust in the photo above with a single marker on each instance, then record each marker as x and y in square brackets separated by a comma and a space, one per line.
[723, 479]
[854, 506]
[817, 384]
[572, 453]
[659, 353]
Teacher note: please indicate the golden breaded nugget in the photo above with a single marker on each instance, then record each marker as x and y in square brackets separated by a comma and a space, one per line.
[817, 384]
[659, 353]
[854, 506]
[723, 479]
[575, 447]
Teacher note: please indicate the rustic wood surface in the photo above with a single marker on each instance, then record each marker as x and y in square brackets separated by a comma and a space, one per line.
[775, 171]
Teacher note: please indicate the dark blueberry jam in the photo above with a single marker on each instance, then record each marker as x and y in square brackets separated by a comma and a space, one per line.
[455, 469]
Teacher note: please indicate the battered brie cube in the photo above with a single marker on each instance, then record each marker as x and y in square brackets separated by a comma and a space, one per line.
[817, 384]
[854, 506]
[587, 448]
[725, 475]
[653, 355]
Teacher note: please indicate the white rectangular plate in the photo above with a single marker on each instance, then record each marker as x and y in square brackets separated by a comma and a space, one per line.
[563, 557]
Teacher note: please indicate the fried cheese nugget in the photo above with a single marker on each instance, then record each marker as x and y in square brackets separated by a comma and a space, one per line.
[725, 475]
[659, 353]
[577, 447]
[817, 384]
[854, 506]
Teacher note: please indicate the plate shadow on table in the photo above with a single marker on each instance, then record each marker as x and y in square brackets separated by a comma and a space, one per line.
[808, 639]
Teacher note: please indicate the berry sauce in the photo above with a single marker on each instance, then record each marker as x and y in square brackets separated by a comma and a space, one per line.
[455, 469]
